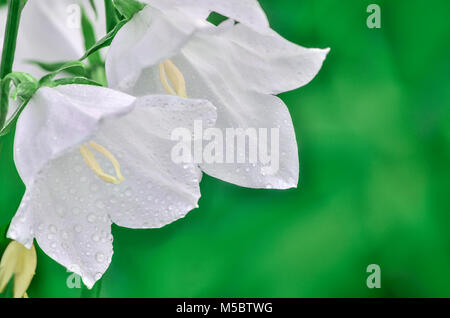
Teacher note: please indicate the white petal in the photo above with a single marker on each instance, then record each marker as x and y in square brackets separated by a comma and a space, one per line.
[76, 235]
[210, 75]
[67, 196]
[245, 11]
[238, 108]
[271, 64]
[156, 190]
[267, 118]
[216, 75]
[163, 28]
[150, 37]
[50, 31]
[57, 119]
[194, 11]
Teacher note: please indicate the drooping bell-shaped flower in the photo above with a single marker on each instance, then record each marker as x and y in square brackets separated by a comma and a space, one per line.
[239, 67]
[50, 31]
[91, 156]
[18, 263]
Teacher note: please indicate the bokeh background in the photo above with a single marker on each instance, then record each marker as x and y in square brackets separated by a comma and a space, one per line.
[374, 140]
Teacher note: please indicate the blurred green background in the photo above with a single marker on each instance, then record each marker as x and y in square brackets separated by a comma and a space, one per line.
[374, 141]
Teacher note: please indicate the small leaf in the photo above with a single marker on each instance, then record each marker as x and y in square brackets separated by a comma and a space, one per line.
[17, 78]
[74, 80]
[51, 67]
[128, 8]
[68, 67]
[105, 41]
[26, 90]
[25, 86]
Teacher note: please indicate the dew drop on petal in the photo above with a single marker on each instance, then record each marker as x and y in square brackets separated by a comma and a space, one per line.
[52, 228]
[91, 218]
[100, 257]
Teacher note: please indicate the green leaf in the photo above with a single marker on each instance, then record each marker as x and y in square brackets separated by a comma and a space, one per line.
[89, 39]
[74, 80]
[105, 41]
[128, 8]
[111, 17]
[51, 67]
[17, 78]
[25, 86]
[68, 67]
[25, 90]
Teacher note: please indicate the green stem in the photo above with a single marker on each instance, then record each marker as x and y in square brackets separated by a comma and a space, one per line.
[9, 48]
[11, 30]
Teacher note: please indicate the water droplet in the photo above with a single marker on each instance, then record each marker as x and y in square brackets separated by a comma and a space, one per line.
[100, 257]
[76, 211]
[52, 228]
[99, 204]
[91, 218]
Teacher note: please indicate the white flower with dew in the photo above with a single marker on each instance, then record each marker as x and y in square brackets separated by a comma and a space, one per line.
[50, 31]
[91, 156]
[239, 67]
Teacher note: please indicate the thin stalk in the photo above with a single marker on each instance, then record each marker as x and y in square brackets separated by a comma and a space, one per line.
[9, 48]
[10, 39]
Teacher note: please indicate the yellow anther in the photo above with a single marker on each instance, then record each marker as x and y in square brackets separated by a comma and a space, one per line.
[21, 262]
[92, 163]
[169, 72]
[110, 157]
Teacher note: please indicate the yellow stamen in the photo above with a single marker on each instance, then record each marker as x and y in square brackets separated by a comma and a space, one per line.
[21, 262]
[109, 156]
[169, 72]
[92, 163]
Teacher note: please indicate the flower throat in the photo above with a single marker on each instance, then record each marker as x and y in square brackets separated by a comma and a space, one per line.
[174, 84]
